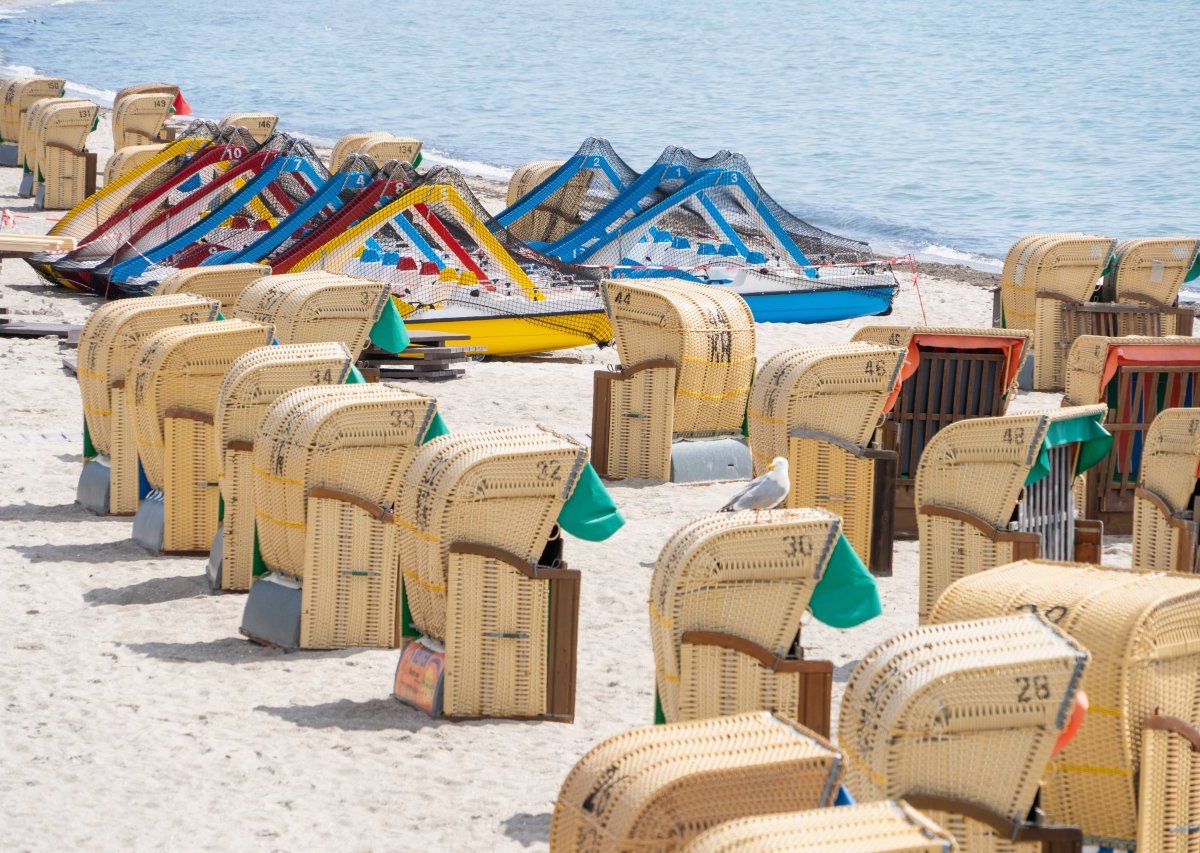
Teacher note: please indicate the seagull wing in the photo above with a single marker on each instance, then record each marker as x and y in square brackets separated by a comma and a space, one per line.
[762, 493]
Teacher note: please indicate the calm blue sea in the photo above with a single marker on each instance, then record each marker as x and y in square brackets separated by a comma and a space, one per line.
[945, 128]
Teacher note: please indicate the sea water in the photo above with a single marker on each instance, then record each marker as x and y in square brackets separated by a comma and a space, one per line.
[948, 129]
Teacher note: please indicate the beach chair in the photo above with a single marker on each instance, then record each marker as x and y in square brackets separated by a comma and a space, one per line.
[327, 468]
[30, 148]
[820, 407]
[310, 307]
[949, 375]
[19, 94]
[108, 342]
[726, 599]
[557, 215]
[258, 125]
[1131, 776]
[657, 788]
[993, 490]
[674, 409]
[126, 160]
[140, 118]
[250, 387]
[1043, 273]
[1164, 502]
[170, 388]
[484, 578]
[224, 282]
[888, 826]
[64, 170]
[959, 720]
[1136, 378]
[379, 146]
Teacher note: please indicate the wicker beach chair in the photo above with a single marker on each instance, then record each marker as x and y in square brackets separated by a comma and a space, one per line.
[30, 148]
[224, 282]
[657, 788]
[1131, 776]
[959, 720]
[558, 214]
[1140, 293]
[726, 599]
[883, 827]
[481, 555]
[171, 387]
[820, 407]
[108, 343]
[949, 375]
[250, 387]
[380, 146]
[258, 125]
[993, 490]
[64, 170]
[327, 468]
[1164, 503]
[1042, 273]
[1136, 378]
[675, 408]
[310, 307]
[125, 160]
[139, 118]
[19, 94]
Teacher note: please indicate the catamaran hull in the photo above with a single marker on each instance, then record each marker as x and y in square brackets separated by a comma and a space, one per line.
[818, 306]
[520, 335]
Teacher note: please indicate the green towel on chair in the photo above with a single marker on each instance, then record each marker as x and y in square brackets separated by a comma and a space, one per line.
[389, 333]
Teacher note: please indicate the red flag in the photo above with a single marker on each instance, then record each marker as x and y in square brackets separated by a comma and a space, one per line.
[180, 106]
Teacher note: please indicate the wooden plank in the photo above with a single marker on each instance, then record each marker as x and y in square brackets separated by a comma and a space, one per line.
[71, 365]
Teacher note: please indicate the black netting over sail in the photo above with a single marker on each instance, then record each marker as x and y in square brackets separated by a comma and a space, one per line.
[389, 182]
[548, 199]
[226, 216]
[212, 163]
[718, 200]
[451, 265]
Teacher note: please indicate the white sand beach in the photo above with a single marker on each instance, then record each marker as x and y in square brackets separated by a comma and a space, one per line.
[135, 716]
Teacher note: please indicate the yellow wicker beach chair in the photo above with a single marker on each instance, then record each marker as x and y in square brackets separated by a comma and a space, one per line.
[19, 94]
[108, 344]
[1136, 378]
[674, 410]
[558, 214]
[380, 146]
[993, 490]
[726, 599]
[258, 125]
[30, 147]
[1130, 777]
[127, 159]
[820, 407]
[139, 118]
[310, 307]
[224, 282]
[64, 170]
[327, 468]
[1164, 517]
[657, 788]
[171, 387]
[884, 827]
[959, 720]
[1042, 273]
[1140, 293]
[949, 375]
[250, 387]
[481, 555]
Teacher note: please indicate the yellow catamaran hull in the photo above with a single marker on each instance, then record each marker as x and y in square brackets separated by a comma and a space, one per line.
[519, 335]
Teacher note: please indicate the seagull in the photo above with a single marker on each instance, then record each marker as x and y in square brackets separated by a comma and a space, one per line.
[765, 492]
